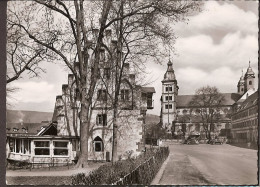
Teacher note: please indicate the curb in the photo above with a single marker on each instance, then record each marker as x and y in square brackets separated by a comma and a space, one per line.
[158, 176]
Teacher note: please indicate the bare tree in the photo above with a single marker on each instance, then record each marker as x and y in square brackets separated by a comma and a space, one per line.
[70, 41]
[208, 100]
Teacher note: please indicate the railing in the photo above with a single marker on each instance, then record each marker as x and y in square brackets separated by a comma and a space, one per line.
[145, 172]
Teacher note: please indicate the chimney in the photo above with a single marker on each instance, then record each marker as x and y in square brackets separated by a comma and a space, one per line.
[70, 79]
[64, 89]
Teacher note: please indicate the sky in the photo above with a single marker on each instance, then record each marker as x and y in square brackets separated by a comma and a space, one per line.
[212, 48]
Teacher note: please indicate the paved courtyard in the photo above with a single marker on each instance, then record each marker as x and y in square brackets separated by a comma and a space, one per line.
[206, 164]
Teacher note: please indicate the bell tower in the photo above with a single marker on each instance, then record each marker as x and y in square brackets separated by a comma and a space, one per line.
[249, 79]
[241, 85]
[168, 99]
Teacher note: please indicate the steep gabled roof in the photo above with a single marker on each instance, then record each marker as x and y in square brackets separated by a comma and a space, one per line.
[50, 130]
[229, 99]
[250, 101]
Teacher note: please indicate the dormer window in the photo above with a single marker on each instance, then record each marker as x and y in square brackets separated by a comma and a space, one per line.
[15, 129]
[24, 129]
[8, 129]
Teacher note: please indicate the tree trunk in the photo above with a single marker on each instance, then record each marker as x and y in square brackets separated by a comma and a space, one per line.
[115, 127]
[84, 133]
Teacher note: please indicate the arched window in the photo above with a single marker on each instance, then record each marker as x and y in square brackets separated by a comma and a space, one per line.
[98, 144]
[250, 82]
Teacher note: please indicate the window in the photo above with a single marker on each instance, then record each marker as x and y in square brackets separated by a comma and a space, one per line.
[42, 148]
[102, 95]
[168, 98]
[242, 89]
[98, 144]
[101, 119]
[168, 106]
[102, 56]
[75, 145]
[18, 146]
[107, 73]
[250, 82]
[60, 148]
[168, 88]
[125, 95]
[27, 147]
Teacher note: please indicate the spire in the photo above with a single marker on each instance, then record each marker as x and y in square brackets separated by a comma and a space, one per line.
[249, 70]
[169, 75]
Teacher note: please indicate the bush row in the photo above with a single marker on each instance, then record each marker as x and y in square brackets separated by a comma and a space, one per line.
[139, 170]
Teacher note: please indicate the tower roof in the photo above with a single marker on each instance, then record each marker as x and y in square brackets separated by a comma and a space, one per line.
[249, 71]
[241, 80]
[169, 75]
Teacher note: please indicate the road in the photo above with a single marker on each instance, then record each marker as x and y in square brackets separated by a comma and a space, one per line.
[210, 165]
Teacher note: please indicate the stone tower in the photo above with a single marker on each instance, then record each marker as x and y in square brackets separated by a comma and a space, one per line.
[168, 99]
[249, 78]
[241, 85]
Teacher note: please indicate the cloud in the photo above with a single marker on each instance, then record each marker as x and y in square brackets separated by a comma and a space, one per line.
[201, 52]
[217, 20]
[36, 92]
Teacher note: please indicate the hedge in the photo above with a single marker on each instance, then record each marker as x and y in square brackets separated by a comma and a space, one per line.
[139, 170]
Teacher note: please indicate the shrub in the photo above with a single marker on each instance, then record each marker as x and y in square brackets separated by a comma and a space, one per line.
[139, 170]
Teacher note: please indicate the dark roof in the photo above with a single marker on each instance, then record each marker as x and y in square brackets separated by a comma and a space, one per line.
[29, 128]
[229, 99]
[250, 101]
[148, 89]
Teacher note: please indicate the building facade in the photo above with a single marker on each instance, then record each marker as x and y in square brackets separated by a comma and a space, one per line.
[60, 140]
[185, 119]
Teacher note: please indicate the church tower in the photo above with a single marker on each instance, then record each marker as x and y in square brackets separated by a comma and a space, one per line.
[249, 79]
[241, 85]
[168, 99]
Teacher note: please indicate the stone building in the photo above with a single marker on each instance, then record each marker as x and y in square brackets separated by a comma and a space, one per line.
[244, 122]
[178, 116]
[60, 140]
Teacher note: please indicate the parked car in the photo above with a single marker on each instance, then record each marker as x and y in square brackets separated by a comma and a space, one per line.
[216, 141]
[192, 139]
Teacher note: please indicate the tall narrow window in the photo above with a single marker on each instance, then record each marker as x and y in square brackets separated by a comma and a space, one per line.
[124, 95]
[98, 144]
[101, 119]
[250, 82]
